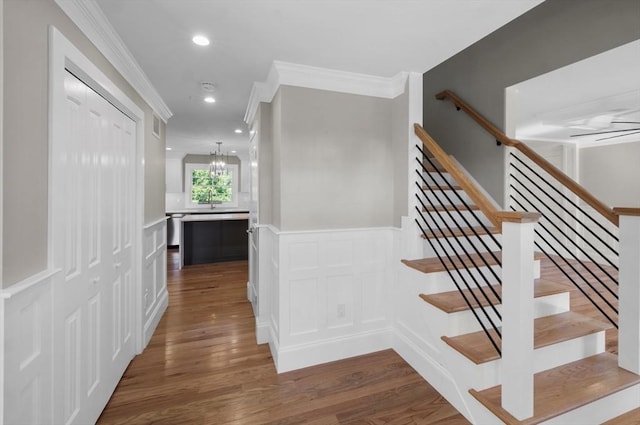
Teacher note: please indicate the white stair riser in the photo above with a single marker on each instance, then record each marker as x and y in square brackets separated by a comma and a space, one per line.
[448, 197]
[476, 273]
[488, 374]
[472, 245]
[441, 281]
[454, 219]
[463, 322]
[434, 178]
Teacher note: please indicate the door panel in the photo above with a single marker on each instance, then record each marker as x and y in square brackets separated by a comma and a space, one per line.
[91, 193]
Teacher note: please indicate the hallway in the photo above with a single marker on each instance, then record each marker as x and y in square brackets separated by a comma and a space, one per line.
[203, 366]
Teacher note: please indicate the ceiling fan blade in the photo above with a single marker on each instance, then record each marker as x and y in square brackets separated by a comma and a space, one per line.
[619, 135]
[625, 122]
[604, 132]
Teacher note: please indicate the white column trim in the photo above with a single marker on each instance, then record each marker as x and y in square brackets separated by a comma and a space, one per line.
[629, 294]
[517, 318]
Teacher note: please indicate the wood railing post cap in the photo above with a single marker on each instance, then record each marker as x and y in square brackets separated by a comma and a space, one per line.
[626, 211]
[518, 216]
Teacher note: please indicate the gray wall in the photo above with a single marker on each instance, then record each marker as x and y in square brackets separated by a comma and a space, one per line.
[612, 173]
[332, 160]
[265, 158]
[554, 34]
[276, 138]
[25, 133]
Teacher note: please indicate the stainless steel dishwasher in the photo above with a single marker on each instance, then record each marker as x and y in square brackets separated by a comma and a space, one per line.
[173, 229]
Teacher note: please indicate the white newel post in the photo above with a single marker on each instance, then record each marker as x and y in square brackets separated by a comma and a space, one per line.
[517, 312]
[629, 290]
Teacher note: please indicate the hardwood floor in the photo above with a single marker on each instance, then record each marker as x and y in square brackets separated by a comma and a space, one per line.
[203, 366]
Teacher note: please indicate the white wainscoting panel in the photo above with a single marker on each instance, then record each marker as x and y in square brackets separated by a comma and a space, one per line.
[329, 294]
[267, 318]
[27, 350]
[154, 277]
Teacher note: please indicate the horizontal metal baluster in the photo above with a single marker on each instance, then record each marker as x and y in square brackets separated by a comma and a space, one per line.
[574, 270]
[465, 266]
[563, 234]
[482, 325]
[484, 227]
[467, 237]
[570, 201]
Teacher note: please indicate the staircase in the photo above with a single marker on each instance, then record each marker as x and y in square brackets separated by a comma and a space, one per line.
[575, 380]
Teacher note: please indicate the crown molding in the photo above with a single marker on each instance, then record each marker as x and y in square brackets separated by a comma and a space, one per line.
[88, 16]
[290, 74]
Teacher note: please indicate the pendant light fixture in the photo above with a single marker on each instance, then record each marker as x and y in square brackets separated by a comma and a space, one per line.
[218, 165]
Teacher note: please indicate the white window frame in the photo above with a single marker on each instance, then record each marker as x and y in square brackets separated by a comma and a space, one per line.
[188, 180]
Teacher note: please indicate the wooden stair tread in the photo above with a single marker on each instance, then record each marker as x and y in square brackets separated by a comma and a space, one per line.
[565, 388]
[547, 331]
[630, 418]
[433, 264]
[443, 208]
[460, 231]
[453, 301]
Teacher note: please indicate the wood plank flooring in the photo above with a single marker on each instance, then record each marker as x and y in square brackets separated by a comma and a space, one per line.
[203, 366]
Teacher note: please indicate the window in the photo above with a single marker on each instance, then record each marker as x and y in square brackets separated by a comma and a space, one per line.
[203, 190]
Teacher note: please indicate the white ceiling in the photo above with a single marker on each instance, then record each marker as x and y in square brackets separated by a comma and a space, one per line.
[600, 94]
[376, 37]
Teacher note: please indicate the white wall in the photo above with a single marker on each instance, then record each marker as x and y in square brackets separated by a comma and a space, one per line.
[612, 173]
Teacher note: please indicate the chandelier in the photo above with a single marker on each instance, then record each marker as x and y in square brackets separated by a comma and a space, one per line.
[218, 165]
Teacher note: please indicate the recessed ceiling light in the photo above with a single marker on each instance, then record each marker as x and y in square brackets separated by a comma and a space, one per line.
[200, 40]
[234, 151]
[209, 99]
[238, 131]
[168, 148]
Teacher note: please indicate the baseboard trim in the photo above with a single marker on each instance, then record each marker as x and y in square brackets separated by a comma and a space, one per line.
[154, 318]
[432, 371]
[262, 332]
[324, 351]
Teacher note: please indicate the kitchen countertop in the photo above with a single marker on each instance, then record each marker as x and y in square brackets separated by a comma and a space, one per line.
[207, 211]
[215, 217]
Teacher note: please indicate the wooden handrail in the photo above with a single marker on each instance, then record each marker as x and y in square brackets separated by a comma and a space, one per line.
[485, 205]
[627, 211]
[565, 180]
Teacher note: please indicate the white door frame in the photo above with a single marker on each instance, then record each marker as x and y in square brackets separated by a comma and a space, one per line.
[64, 55]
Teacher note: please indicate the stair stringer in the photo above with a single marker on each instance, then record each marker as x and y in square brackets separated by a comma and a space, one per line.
[421, 346]
[419, 343]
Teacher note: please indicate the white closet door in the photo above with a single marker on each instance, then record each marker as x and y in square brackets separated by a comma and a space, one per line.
[92, 198]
